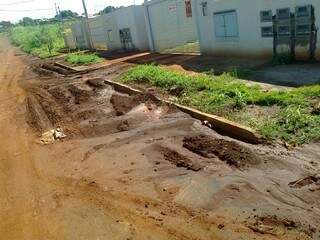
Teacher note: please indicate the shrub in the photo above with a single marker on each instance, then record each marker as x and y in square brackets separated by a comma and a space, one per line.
[44, 41]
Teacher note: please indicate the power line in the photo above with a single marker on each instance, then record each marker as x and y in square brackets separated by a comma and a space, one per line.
[26, 10]
[15, 3]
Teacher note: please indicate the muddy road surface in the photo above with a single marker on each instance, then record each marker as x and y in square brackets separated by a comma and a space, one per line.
[134, 168]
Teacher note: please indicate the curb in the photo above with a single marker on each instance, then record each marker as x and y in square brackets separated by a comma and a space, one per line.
[221, 125]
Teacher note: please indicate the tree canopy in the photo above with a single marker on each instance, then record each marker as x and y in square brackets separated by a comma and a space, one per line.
[108, 9]
[66, 14]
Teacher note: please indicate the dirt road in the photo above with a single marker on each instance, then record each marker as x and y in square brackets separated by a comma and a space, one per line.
[132, 168]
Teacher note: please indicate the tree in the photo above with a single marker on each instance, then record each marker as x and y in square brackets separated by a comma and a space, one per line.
[107, 9]
[26, 21]
[5, 25]
[67, 14]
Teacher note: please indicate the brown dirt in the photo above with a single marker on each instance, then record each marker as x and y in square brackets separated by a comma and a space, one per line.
[106, 183]
[96, 83]
[276, 226]
[123, 104]
[228, 151]
[305, 182]
[80, 95]
[179, 160]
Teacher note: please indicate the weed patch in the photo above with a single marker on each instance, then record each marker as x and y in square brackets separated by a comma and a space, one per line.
[43, 41]
[82, 58]
[294, 121]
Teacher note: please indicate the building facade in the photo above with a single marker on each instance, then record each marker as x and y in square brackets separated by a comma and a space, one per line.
[126, 29]
[247, 28]
[170, 23]
[121, 30]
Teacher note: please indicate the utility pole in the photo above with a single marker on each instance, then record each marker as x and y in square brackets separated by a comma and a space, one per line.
[55, 6]
[85, 9]
[86, 26]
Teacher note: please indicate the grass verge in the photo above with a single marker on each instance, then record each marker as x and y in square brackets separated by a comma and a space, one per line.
[292, 116]
[43, 41]
[80, 58]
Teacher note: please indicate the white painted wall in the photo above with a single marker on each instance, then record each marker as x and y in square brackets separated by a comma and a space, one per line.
[167, 23]
[78, 30]
[69, 39]
[98, 32]
[105, 29]
[249, 42]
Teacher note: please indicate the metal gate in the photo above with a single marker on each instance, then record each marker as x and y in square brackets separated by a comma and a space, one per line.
[294, 29]
[126, 39]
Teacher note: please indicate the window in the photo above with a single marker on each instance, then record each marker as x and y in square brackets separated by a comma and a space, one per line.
[266, 16]
[267, 31]
[303, 11]
[283, 13]
[110, 35]
[204, 6]
[226, 24]
[284, 31]
[303, 29]
[188, 8]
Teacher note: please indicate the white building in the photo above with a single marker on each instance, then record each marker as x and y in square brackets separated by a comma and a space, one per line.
[170, 23]
[121, 30]
[80, 35]
[245, 27]
[69, 38]
[125, 29]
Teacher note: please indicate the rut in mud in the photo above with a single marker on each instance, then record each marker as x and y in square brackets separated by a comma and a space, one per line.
[228, 151]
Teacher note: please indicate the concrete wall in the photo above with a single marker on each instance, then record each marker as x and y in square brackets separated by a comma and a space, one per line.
[249, 41]
[104, 29]
[98, 33]
[69, 39]
[133, 17]
[167, 23]
[79, 33]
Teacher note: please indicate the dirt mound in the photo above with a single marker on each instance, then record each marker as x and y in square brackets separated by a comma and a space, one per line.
[179, 160]
[87, 114]
[124, 126]
[60, 94]
[36, 116]
[96, 83]
[80, 95]
[123, 104]
[232, 153]
[275, 225]
[54, 68]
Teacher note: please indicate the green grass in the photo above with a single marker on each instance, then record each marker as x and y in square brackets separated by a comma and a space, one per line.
[80, 58]
[294, 122]
[43, 41]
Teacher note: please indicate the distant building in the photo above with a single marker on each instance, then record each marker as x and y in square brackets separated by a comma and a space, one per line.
[121, 30]
[247, 27]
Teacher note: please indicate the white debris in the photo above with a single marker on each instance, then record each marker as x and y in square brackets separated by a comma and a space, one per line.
[207, 123]
[51, 136]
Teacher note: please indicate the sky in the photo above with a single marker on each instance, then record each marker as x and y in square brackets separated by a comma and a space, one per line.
[14, 10]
